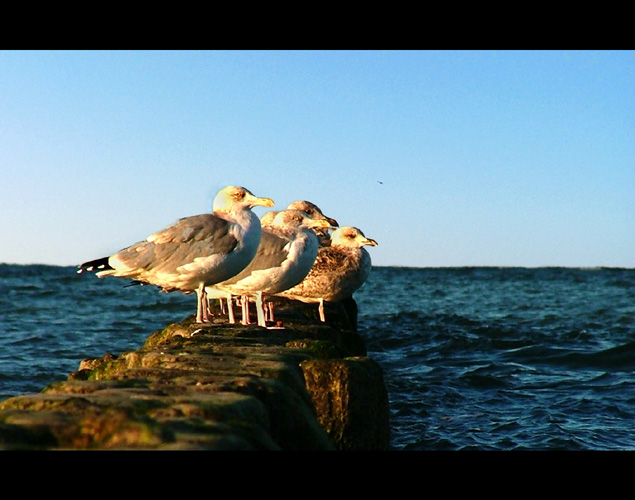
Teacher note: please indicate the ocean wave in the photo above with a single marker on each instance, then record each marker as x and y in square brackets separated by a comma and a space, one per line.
[619, 358]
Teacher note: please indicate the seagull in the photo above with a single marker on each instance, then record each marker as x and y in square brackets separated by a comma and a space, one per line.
[195, 252]
[288, 247]
[338, 271]
[313, 211]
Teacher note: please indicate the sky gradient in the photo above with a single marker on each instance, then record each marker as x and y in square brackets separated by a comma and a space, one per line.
[446, 158]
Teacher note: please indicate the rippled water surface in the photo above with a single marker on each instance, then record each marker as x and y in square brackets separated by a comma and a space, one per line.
[498, 359]
[473, 358]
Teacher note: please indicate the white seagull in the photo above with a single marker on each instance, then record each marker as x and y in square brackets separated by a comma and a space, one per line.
[313, 211]
[288, 247]
[194, 253]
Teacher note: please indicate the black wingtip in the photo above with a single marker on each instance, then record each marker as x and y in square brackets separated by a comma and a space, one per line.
[98, 264]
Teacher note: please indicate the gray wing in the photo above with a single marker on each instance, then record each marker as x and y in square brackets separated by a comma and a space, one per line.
[272, 252]
[179, 244]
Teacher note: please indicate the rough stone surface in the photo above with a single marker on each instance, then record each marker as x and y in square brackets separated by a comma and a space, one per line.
[306, 386]
[351, 401]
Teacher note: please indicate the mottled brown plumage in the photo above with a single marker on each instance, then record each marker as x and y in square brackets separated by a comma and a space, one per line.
[339, 270]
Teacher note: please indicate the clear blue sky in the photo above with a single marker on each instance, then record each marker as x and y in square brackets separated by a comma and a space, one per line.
[445, 158]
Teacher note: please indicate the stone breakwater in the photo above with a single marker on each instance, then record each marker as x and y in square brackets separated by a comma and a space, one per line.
[305, 386]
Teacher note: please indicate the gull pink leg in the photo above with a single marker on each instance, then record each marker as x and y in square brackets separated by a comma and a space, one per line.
[245, 306]
[270, 310]
[230, 309]
[201, 305]
[260, 310]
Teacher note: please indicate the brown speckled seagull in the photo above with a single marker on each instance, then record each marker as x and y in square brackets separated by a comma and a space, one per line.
[195, 252]
[338, 271]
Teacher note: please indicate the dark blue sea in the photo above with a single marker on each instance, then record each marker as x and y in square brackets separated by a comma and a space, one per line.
[473, 358]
